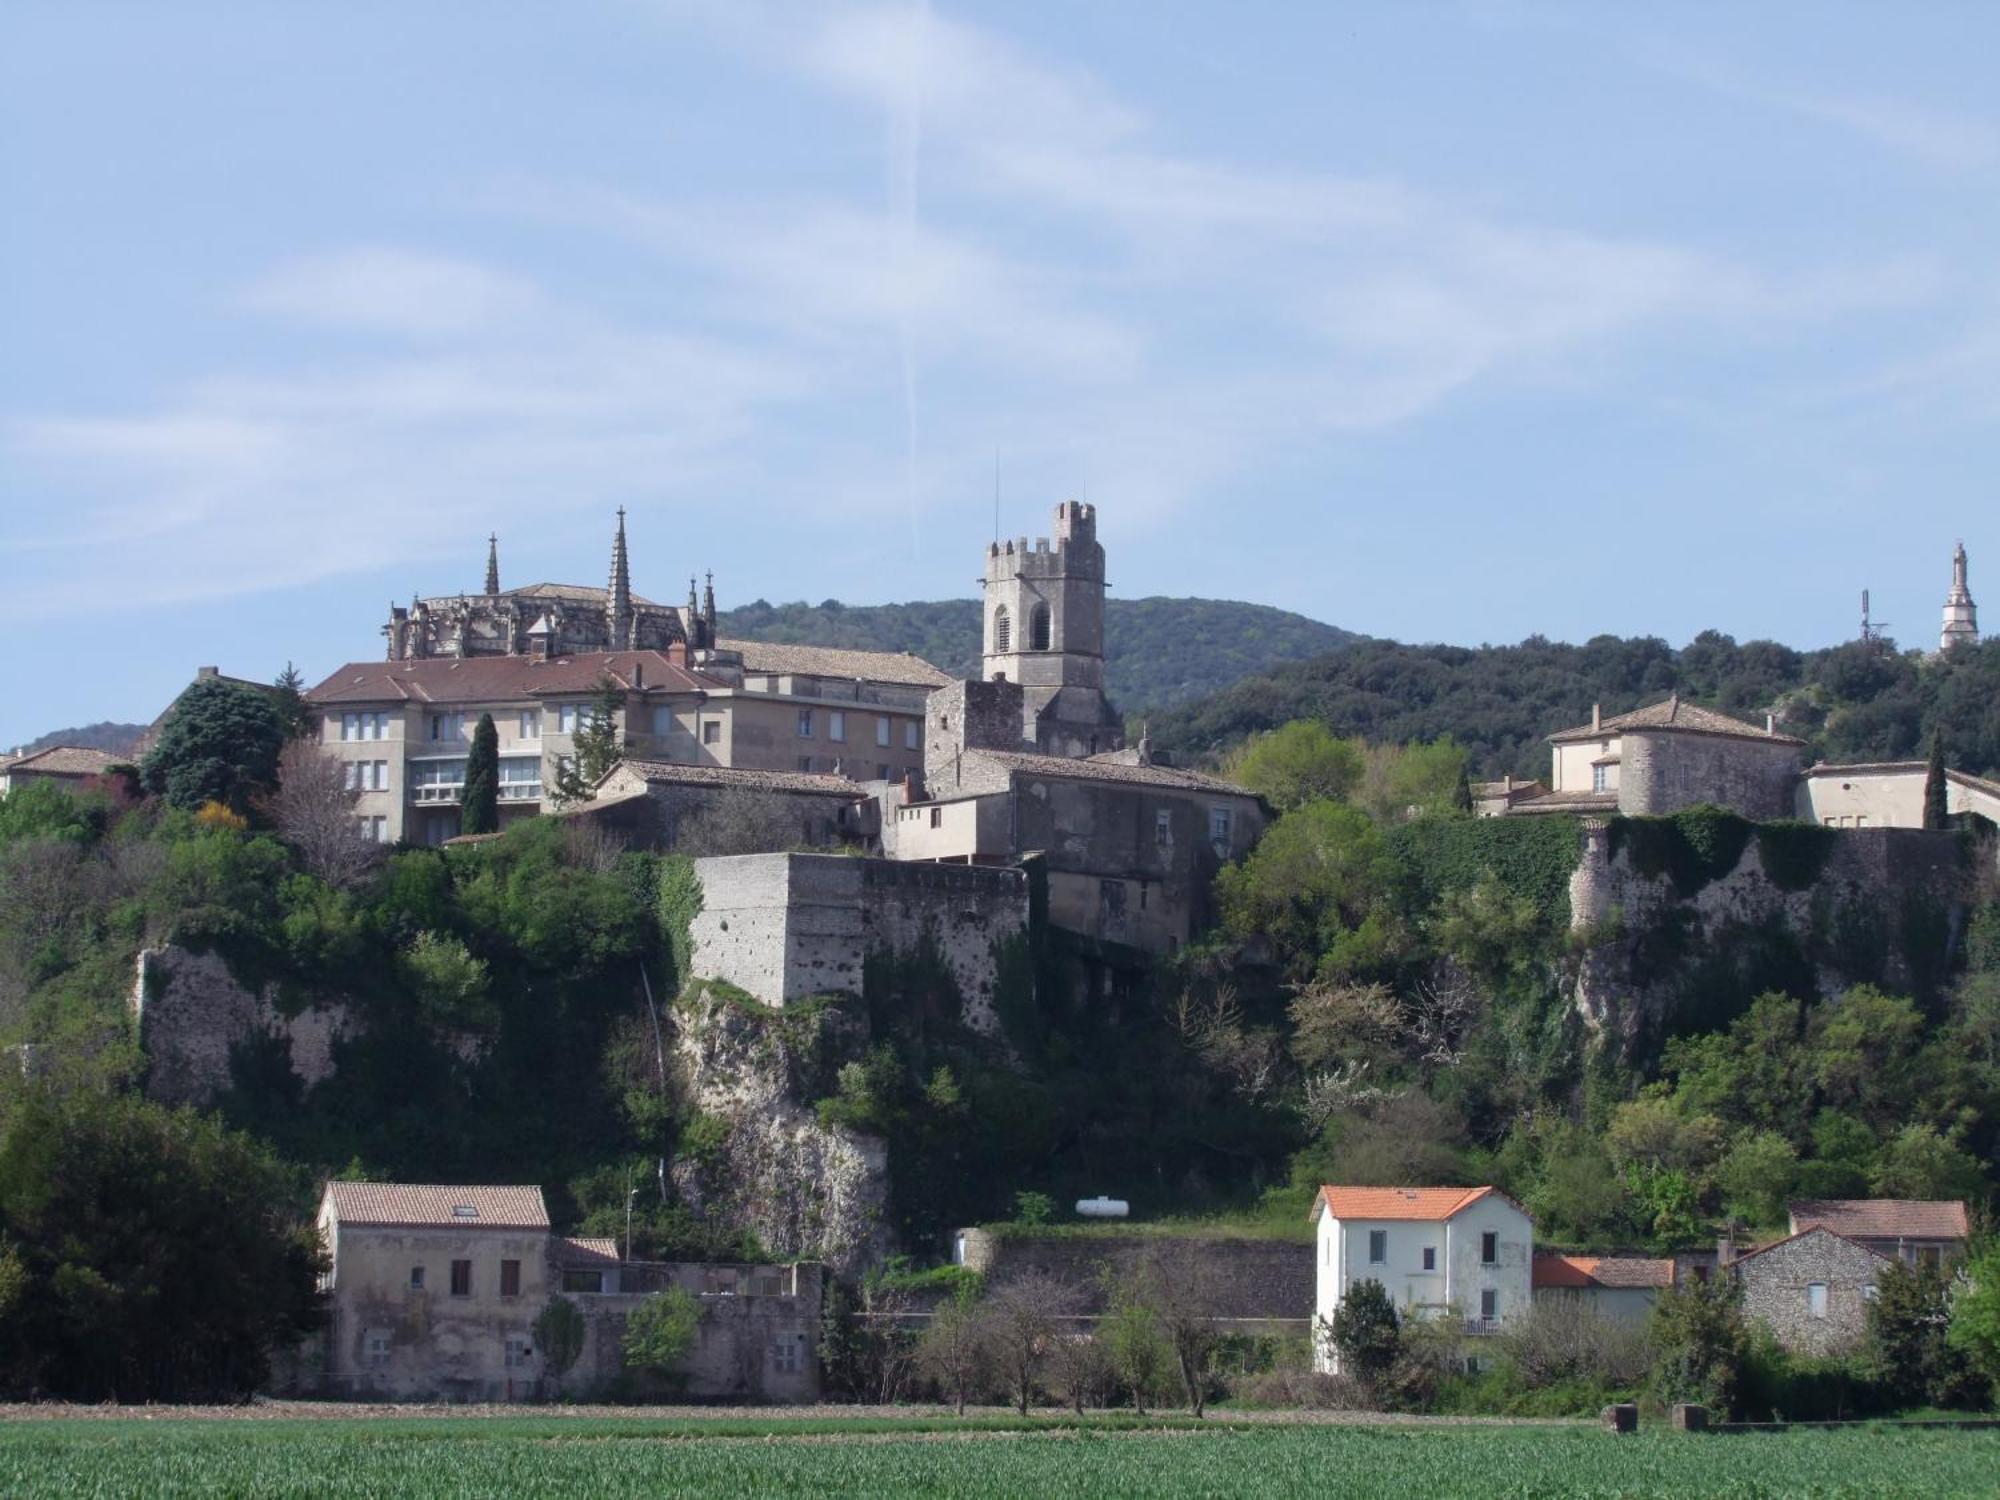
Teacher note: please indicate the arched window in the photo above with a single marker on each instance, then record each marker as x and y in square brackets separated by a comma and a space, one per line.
[1038, 628]
[1003, 631]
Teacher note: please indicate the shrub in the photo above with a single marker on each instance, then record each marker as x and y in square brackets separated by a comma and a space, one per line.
[1367, 1334]
[661, 1330]
[559, 1332]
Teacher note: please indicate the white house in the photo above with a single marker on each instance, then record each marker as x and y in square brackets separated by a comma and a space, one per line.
[1456, 1252]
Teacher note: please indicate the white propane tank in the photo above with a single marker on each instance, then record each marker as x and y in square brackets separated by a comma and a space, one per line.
[1103, 1208]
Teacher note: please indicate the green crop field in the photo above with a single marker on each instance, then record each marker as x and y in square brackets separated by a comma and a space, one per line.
[557, 1457]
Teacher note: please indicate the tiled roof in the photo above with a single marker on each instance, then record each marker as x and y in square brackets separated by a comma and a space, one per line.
[1588, 1272]
[68, 760]
[1799, 1235]
[1883, 1218]
[666, 773]
[502, 679]
[1168, 777]
[1430, 1204]
[1568, 802]
[1904, 768]
[572, 1251]
[1675, 713]
[1488, 790]
[398, 1204]
[832, 661]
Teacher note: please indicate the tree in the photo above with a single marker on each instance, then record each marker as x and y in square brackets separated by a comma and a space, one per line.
[1756, 1177]
[450, 984]
[220, 744]
[1935, 805]
[480, 810]
[1025, 1316]
[1140, 1354]
[1182, 1289]
[154, 1254]
[1974, 1329]
[559, 1333]
[288, 695]
[1316, 888]
[1297, 763]
[595, 748]
[1698, 1329]
[953, 1351]
[1908, 1351]
[1365, 1333]
[313, 809]
[1079, 1366]
[661, 1330]
[1920, 1162]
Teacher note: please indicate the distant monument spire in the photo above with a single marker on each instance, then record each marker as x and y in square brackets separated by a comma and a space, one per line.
[708, 606]
[1961, 615]
[493, 562]
[618, 599]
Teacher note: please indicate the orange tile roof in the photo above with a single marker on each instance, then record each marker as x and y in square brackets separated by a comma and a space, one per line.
[1428, 1203]
[575, 1250]
[411, 1204]
[1585, 1272]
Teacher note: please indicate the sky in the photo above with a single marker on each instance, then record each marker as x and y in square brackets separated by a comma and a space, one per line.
[1453, 322]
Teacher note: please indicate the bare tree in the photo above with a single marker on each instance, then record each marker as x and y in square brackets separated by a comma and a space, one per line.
[589, 845]
[1026, 1315]
[314, 810]
[888, 1352]
[1080, 1368]
[1439, 1013]
[1180, 1284]
[954, 1351]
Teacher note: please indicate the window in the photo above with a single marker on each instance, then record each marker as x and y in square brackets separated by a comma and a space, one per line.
[806, 763]
[711, 731]
[1600, 778]
[910, 736]
[1870, 1292]
[1861, 820]
[881, 770]
[364, 726]
[416, 1278]
[1163, 826]
[368, 776]
[376, 1346]
[519, 1353]
[1003, 631]
[1816, 1299]
[1489, 1305]
[937, 817]
[836, 726]
[785, 1353]
[353, 781]
[447, 726]
[882, 728]
[1430, 1258]
[583, 1281]
[1378, 1247]
[510, 1278]
[1038, 628]
[1220, 822]
[461, 1278]
[376, 829]
[1489, 1248]
[574, 718]
[663, 719]
[530, 725]
[805, 723]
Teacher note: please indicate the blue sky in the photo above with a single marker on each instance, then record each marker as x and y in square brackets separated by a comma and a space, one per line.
[1442, 322]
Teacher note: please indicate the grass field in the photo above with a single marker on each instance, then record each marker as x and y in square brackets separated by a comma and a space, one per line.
[554, 1456]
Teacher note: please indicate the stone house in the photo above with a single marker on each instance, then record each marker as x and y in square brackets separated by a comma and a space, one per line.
[1811, 1289]
[1912, 1230]
[72, 766]
[434, 1292]
[1622, 1288]
[1439, 1252]
[1890, 794]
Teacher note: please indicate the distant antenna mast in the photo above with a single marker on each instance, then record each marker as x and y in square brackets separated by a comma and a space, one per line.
[1871, 629]
[996, 497]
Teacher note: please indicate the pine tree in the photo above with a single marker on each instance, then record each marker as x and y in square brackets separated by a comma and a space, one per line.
[1934, 784]
[289, 694]
[482, 780]
[595, 746]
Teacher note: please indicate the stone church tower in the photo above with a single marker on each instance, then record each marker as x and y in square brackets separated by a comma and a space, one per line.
[1044, 629]
[1961, 615]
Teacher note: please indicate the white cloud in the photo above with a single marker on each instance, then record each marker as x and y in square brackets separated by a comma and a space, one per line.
[389, 290]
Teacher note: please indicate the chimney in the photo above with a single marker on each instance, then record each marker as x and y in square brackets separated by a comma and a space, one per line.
[1770, 723]
[1596, 716]
[202, 674]
[639, 676]
[1507, 782]
[1725, 1249]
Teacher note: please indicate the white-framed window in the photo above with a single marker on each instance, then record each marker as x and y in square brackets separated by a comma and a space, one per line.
[1816, 1299]
[1221, 821]
[364, 726]
[805, 723]
[353, 769]
[520, 1353]
[379, 830]
[520, 778]
[1163, 826]
[447, 726]
[368, 776]
[1600, 778]
[573, 718]
[912, 736]
[882, 735]
[530, 725]
[1489, 1304]
[788, 1353]
[836, 726]
[1378, 1247]
[377, 1345]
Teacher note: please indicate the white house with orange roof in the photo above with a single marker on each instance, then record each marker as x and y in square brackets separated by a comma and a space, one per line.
[1456, 1252]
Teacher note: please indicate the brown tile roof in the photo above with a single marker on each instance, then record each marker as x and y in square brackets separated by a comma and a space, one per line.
[666, 773]
[1429, 1204]
[1491, 789]
[573, 1251]
[1801, 1234]
[67, 760]
[832, 661]
[1167, 777]
[1883, 1218]
[1676, 713]
[1590, 1272]
[1568, 802]
[502, 679]
[398, 1204]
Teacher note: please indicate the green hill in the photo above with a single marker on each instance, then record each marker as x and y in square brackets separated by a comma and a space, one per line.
[1159, 652]
[116, 738]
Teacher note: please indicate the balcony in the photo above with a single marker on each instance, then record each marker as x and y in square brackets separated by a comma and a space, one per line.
[520, 791]
[1482, 1327]
[438, 794]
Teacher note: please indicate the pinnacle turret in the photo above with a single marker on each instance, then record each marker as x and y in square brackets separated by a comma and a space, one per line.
[493, 563]
[618, 601]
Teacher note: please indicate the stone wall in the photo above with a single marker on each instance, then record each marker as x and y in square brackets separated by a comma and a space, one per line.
[748, 1347]
[192, 1016]
[1259, 1281]
[1776, 1283]
[1662, 771]
[783, 927]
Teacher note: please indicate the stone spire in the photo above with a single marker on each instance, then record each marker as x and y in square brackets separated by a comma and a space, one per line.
[708, 607]
[493, 562]
[1961, 615]
[618, 599]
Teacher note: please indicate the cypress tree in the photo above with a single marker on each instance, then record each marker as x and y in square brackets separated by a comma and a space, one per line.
[1934, 784]
[482, 780]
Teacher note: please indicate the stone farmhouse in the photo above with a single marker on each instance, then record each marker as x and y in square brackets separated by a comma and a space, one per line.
[1812, 1289]
[1439, 1252]
[1913, 1230]
[435, 1291]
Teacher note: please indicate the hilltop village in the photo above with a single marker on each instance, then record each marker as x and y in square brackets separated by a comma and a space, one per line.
[599, 964]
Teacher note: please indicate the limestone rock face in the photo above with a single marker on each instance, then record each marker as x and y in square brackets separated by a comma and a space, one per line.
[806, 1190]
[192, 1016]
